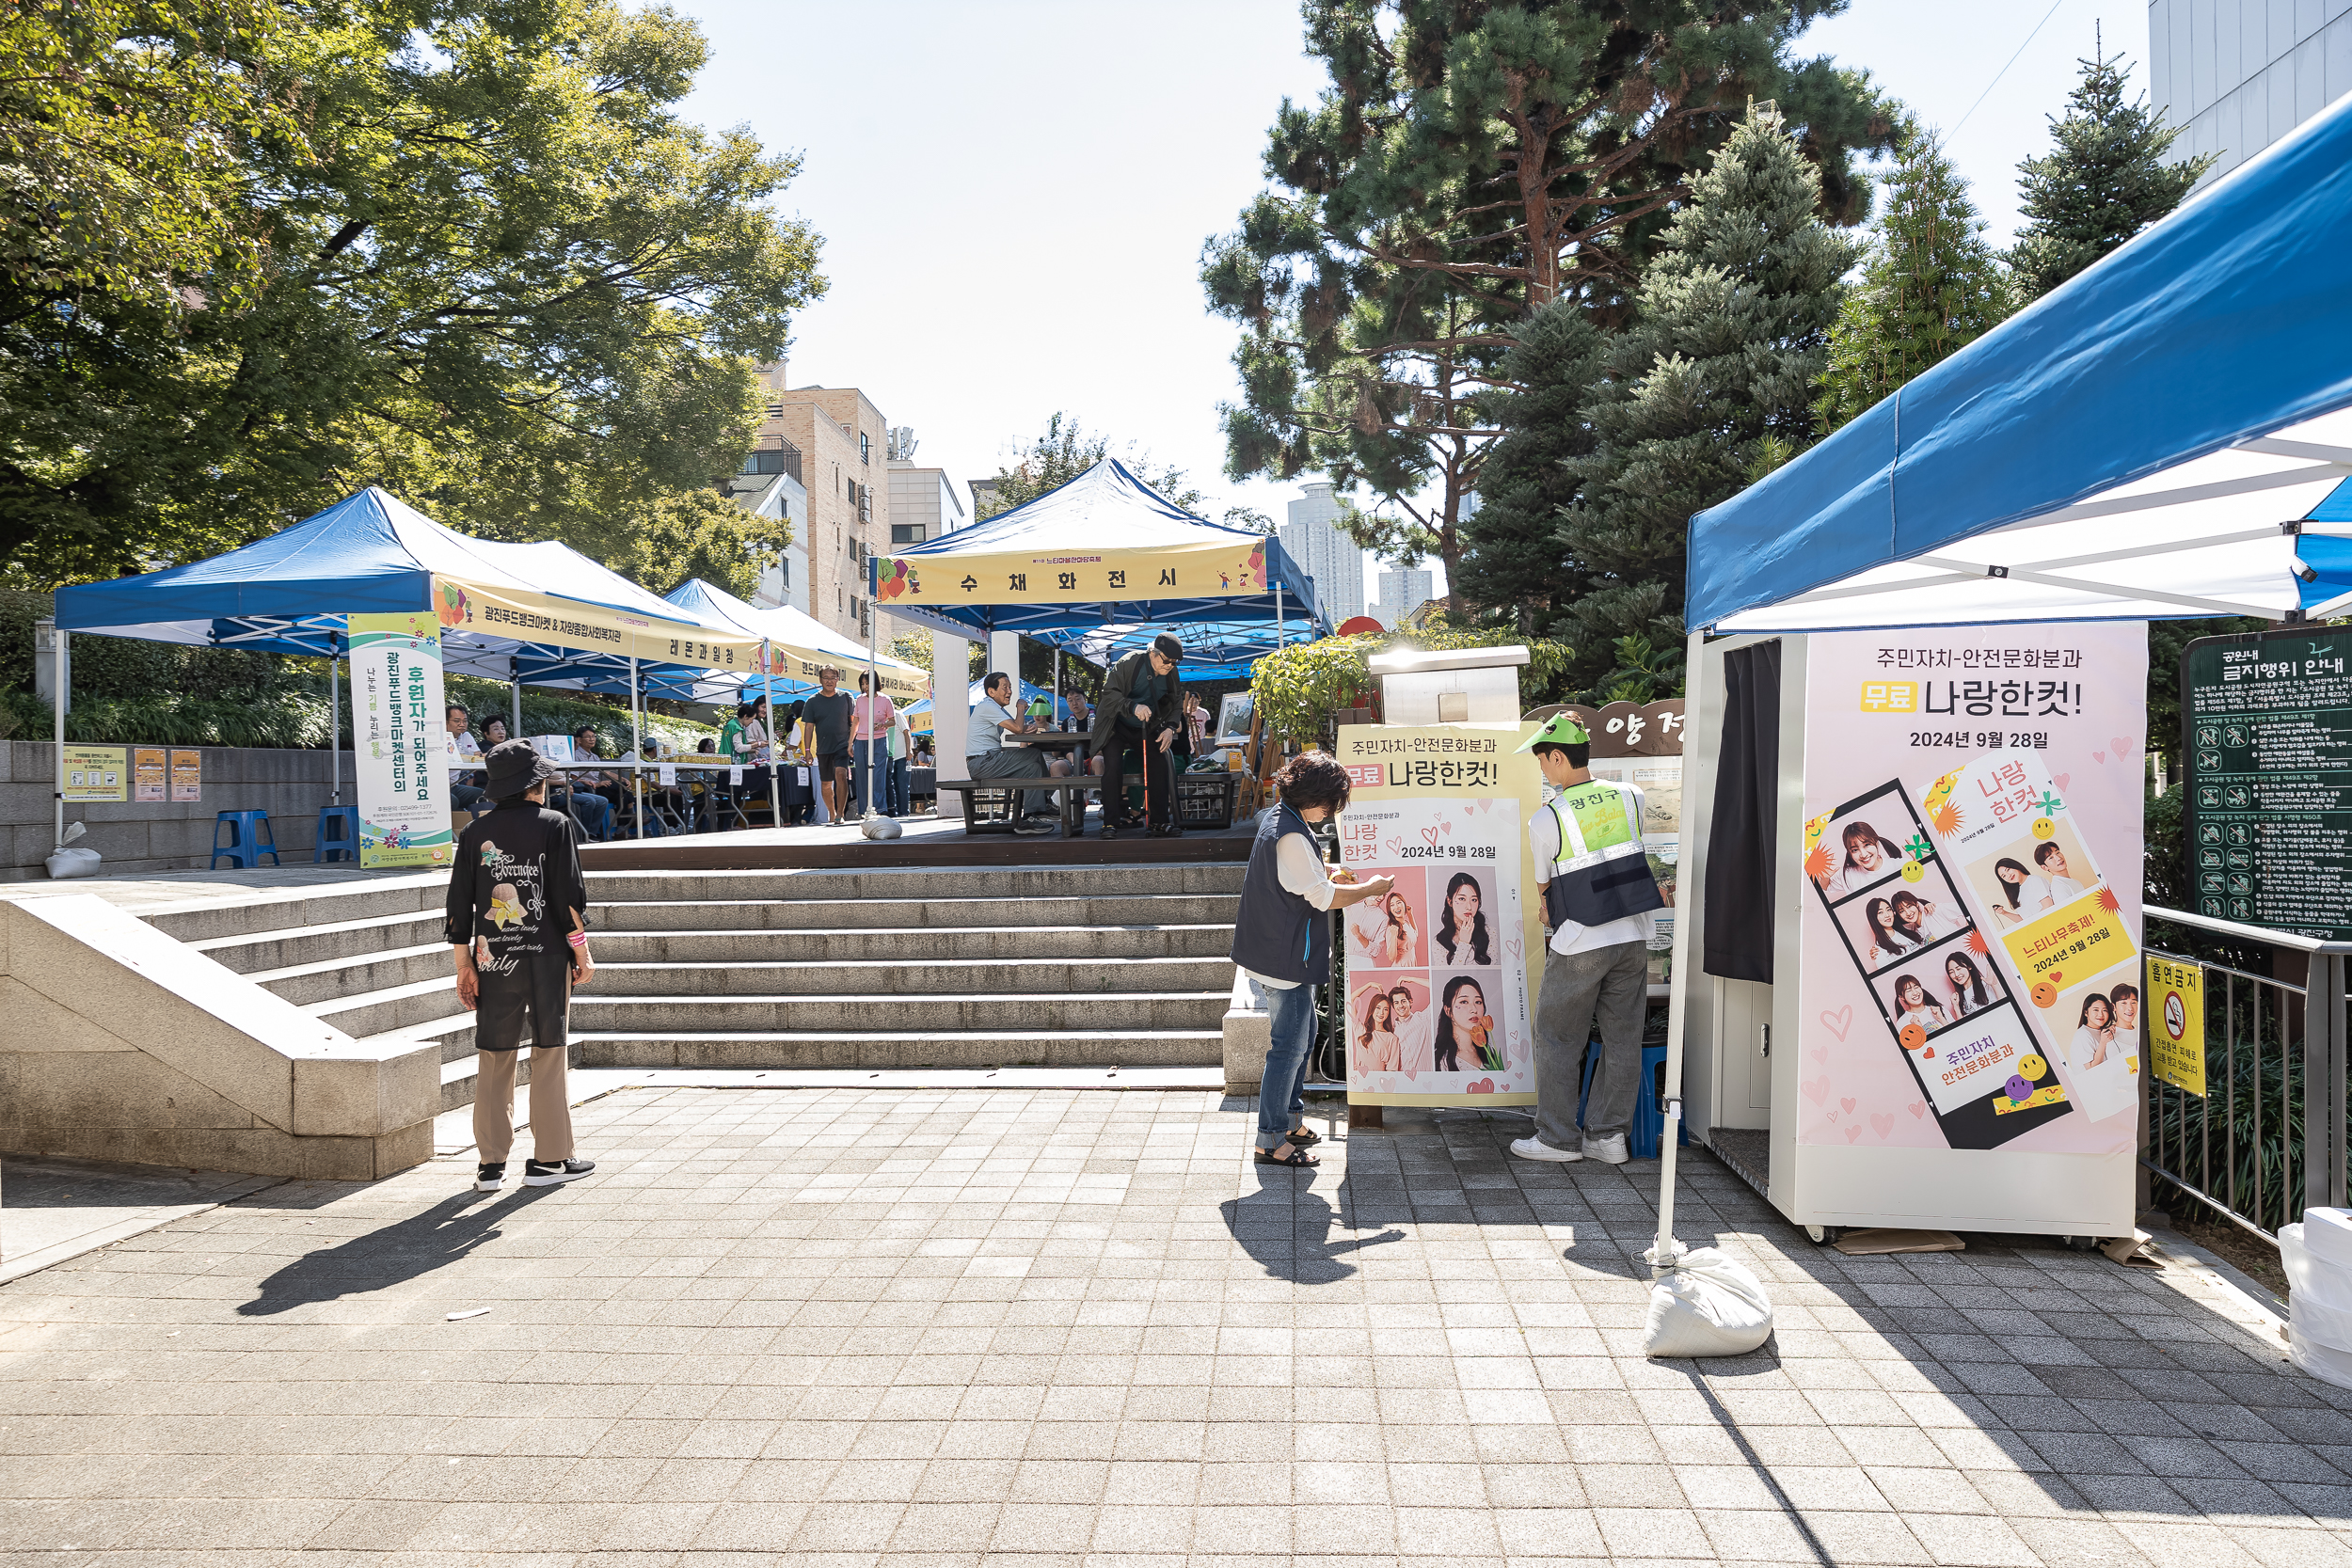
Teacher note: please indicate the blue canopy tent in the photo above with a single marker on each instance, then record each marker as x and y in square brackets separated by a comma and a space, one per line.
[2163, 436]
[539, 614]
[799, 645]
[1104, 550]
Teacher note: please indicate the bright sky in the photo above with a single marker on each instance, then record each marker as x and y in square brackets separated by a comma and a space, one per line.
[1013, 195]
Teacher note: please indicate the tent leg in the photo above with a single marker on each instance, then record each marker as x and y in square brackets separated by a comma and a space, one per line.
[1666, 1252]
[334, 731]
[60, 674]
[515, 680]
[873, 691]
[636, 750]
[768, 696]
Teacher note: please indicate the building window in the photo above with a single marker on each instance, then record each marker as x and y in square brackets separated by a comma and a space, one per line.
[779, 460]
[865, 448]
[784, 571]
[906, 533]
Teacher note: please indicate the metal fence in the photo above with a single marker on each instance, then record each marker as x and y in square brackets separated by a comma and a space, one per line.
[2267, 1137]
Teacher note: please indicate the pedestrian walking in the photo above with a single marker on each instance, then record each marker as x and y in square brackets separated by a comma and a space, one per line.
[1598, 902]
[830, 712]
[1282, 942]
[517, 923]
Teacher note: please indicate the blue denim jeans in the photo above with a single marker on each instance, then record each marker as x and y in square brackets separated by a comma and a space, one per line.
[901, 775]
[1283, 1089]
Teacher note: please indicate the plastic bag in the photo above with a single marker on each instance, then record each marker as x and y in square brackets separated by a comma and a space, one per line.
[1710, 1305]
[2325, 1364]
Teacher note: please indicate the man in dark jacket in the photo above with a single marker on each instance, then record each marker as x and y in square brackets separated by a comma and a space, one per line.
[1142, 706]
[517, 923]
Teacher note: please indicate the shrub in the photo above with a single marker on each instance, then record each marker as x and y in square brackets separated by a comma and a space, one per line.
[1298, 689]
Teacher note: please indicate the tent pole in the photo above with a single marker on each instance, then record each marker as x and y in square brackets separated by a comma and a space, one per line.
[515, 681]
[636, 750]
[873, 683]
[1666, 1252]
[335, 730]
[767, 694]
[1277, 614]
[60, 673]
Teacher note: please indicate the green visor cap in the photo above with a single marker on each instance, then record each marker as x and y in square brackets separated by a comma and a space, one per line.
[1561, 729]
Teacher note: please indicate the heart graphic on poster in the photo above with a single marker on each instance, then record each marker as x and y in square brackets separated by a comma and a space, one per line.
[1853, 1133]
[1838, 1022]
[1882, 1123]
[1819, 1055]
[1513, 947]
[2062, 780]
[1847, 1105]
[1429, 836]
[1484, 1086]
[1447, 828]
[1918, 1108]
[1832, 1118]
[1394, 845]
[1467, 810]
[2098, 756]
[1818, 1090]
[2122, 747]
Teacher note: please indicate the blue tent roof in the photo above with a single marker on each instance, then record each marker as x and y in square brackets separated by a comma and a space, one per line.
[1108, 508]
[370, 553]
[2126, 448]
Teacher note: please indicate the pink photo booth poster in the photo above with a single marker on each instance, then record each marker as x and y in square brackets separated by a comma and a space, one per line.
[1972, 856]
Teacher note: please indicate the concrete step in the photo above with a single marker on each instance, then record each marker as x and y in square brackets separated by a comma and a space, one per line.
[1039, 979]
[852, 1016]
[254, 952]
[1133, 907]
[1051, 881]
[979, 1048]
[394, 1008]
[329, 979]
[914, 945]
[302, 906]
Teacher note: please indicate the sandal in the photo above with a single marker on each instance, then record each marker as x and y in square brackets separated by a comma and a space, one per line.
[1298, 1158]
[1304, 1138]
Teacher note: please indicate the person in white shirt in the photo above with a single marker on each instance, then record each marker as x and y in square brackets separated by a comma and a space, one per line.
[1282, 943]
[465, 755]
[1599, 900]
[994, 754]
[2028, 893]
[2063, 887]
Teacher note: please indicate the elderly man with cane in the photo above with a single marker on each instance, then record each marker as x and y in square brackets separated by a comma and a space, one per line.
[1142, 707]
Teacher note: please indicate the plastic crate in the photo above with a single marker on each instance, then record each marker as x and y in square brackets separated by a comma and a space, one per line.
[1205, 799]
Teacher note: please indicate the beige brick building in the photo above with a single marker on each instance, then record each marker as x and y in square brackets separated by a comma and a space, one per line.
[843, 440]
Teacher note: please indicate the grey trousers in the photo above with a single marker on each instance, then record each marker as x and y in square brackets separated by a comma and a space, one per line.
[1015, 762]
[1605, 984]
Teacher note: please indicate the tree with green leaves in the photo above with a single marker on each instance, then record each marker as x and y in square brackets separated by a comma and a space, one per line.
[1713, 379]
[1063, 450]
[1929, 287]
[503, 277]
[696, 533]
[1471, 162]
[2105, 181]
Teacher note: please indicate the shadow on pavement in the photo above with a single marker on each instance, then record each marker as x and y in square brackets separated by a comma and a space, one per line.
[443, 1235]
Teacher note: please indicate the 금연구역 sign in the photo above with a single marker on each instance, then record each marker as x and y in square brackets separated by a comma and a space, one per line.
[2267, 740]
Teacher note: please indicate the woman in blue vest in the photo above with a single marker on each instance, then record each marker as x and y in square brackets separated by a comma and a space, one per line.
[1282, 942]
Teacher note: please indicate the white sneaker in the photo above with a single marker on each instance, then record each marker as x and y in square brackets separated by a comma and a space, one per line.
[1609, 1150]
[1535, 1149]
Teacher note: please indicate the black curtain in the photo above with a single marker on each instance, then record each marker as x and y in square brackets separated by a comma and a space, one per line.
[1739, 836]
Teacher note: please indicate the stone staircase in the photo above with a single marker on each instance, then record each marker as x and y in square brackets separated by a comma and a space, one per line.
[1064, 966]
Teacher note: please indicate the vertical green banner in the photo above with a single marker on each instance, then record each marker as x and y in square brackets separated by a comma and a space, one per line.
[396, 733]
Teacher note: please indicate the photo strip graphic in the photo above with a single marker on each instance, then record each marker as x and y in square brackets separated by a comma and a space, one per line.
[2061, 933]
[1945, 1000]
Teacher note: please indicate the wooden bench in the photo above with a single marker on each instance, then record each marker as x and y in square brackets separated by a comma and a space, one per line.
[1073, 802]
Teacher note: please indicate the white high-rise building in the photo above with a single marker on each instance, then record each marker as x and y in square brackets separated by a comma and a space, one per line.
[1401, 593]
[1312, 539]
[2239, 75]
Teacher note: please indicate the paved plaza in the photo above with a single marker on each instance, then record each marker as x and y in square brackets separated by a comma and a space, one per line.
[1039, 1326]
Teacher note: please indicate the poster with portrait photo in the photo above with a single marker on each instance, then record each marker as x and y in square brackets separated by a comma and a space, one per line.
[1889, 925]
[2023, 876]
[1470, 1038]
[1390, 1027]
[1939, 986]
[1392, 932]
[1862, 848]
[1463, 930]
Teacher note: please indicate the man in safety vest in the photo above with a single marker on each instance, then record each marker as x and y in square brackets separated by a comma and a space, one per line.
[1598, 897]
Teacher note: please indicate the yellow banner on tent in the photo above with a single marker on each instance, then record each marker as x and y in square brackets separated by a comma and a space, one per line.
[1207, 570]
[596, 629]
[900, 682]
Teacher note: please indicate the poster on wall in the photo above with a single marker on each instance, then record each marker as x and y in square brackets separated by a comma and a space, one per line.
[1437, 1007]
[1970, 974]
[148, 778]
[188, 776]
[397, 740]
[97, 773]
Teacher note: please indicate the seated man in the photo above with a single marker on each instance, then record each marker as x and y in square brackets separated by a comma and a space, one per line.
[588, 807]
[464, 795]
[993, 755]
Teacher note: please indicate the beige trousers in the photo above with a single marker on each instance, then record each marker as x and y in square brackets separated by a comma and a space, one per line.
[493, 1106]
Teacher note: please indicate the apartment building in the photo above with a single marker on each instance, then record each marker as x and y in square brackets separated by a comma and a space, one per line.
[769, 486]
[1402, 591]
[1312, 538]
[2237, 75]
[843, 440]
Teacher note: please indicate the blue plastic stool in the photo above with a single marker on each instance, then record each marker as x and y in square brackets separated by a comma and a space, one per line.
[1640, 1137]
[245, 846]
[342, 841]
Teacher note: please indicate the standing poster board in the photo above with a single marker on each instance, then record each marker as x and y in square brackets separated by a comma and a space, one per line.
[1438, 1010]
[397, 739]
[2268, 746]
[1969, 1006]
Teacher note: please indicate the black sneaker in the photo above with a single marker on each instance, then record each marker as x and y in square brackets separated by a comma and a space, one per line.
[1032, 827]
[553, 1173]
[488, 1179]
[1168, 829]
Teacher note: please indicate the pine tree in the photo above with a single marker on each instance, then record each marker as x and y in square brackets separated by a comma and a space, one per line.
[1511, 566]
[1711, 382]
[2105, 182]
[1931, 286]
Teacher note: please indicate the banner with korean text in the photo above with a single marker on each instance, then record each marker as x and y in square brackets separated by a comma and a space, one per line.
[1438, 1007]
[1971, 963]
[397, 743]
